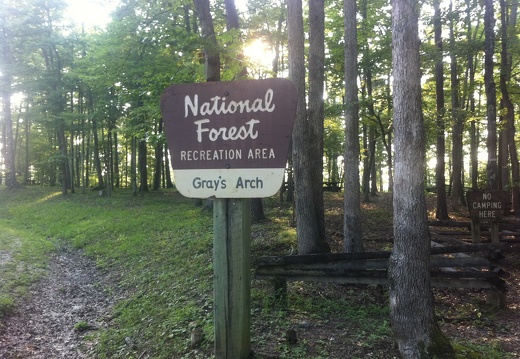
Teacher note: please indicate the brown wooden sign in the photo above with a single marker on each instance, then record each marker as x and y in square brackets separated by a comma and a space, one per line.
[486, 206]
[229, 139]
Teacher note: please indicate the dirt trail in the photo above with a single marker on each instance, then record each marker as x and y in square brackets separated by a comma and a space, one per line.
[71, 301]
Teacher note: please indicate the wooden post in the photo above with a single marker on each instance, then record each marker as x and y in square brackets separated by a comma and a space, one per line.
[232, 277]
[475, 232]
[495, 232]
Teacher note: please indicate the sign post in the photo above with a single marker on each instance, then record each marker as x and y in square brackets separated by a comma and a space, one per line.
[486, 207]
[229, 141]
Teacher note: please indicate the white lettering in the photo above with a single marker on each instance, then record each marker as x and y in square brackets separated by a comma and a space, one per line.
[225, 133]
[209, 155]
[217, 105]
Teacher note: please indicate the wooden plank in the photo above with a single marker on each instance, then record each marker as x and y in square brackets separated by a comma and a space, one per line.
[338, 257]
[232, 278]
[320, 258]
[449, 224]
[327, 279]
[369, 265]
[461, 283]
[438, 262]
[435, 282]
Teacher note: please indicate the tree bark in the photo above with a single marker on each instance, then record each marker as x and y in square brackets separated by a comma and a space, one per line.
[352, 235]
[490, 87]
[9, 149]
[508, 34]
[316, 113]
[158, 160]
[212, 55]
[308, 229]
[411, 300]
[441, 211]
[469, 86]
[457, 129]
[143, 169]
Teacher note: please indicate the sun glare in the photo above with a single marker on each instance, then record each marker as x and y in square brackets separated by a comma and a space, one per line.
[259, 55]
[90, 13]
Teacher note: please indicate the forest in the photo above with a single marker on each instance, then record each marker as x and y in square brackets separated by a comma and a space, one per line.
[400, 96]
[80, 105]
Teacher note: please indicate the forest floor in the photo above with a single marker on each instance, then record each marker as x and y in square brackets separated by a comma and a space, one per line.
[76, 297]
[72, 299]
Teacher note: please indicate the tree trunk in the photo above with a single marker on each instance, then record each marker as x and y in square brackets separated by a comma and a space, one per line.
[441, 212]
[212, 55]
[257, 210]
[158, 159]
[143, 169]
[133, 166]
[508, 35]
[308, 219]
[169, 183]
[7, 60]
[352, 236]
[469, 95]
[489, 82]
[457, 129]
[411, 300]
[97, 158]
[316, 113]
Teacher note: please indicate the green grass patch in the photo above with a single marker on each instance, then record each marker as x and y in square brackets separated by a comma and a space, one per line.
[160, 245]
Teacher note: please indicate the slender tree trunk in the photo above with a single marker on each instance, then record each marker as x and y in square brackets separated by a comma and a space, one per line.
[9, 149]
[366, 161]
[352, 235]
[212, 55]
[469, 95]
[441, 211]
[97, 158]
[457, 129]
[169, 182]
[491, 113]
[143, 168]
[372, 145]
[158, 160]
[27, 175]
[508, 35]
[412, 313]
[316, 112]
[133, 166]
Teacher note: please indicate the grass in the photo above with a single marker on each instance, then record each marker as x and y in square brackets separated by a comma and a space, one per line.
[160, 247]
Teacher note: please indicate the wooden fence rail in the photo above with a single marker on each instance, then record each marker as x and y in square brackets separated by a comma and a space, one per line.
[447, 267]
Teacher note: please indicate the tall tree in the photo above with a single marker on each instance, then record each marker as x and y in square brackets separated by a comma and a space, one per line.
[508, 17]
[352, 240]
[310, 233]
[412, 313]
[456, 115]
[491, 100]
[316, 113]
[441, 211]
[211, 53]
[7, 64]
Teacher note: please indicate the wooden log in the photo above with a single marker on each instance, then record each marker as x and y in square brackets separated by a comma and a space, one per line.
[337, 257]
[449, 224]
[320, 258]
[369, 265]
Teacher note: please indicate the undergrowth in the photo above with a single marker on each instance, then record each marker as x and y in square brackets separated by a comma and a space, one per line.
[160, 247]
